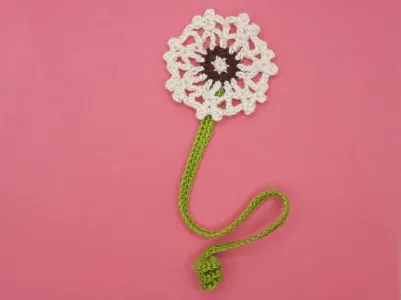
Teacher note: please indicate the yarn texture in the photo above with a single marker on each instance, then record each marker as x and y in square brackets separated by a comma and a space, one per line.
[219, 67]
[207, 266]
[215, 52]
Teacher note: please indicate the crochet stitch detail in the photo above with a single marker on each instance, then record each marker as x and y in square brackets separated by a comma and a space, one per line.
[215, 62]
[207, 265]
[209, 272]
[195, 79]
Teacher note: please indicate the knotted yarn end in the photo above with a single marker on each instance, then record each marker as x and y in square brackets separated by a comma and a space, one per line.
[209, 272]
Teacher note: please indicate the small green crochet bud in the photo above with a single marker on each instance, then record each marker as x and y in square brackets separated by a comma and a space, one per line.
[209, 272]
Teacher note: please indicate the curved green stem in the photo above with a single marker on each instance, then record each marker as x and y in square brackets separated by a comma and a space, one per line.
[207, 266]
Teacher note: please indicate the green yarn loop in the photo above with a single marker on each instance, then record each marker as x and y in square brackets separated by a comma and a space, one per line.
[207, 266]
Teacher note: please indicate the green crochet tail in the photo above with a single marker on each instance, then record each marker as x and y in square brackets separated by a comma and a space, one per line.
[207, 265]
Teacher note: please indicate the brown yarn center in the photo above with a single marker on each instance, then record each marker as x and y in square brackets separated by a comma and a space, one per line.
[230, 60]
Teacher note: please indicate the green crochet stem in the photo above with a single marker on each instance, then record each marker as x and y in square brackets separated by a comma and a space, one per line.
[207, 265]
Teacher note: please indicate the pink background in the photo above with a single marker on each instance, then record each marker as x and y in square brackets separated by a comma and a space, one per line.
[93, 147]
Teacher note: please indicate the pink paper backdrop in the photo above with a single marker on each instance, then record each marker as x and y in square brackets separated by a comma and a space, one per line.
[93, 146]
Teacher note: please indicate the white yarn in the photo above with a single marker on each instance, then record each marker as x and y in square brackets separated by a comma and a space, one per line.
[194, 84]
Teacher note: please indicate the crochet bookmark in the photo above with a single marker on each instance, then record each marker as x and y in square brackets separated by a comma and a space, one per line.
[219, 67]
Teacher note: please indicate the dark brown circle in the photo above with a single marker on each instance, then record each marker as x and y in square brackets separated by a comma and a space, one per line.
[231, 62]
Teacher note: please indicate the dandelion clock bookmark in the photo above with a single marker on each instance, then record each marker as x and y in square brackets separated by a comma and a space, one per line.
[212, 75]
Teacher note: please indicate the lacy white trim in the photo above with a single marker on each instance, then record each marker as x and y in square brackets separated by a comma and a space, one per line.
[192, 86]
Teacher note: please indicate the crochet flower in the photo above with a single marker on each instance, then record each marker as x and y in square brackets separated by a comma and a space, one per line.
[219, 66]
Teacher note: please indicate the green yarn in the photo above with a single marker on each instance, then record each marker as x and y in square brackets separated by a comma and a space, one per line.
[207, 265]
[220, 92]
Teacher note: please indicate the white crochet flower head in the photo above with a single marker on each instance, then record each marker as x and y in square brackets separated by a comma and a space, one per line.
[219, 66]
